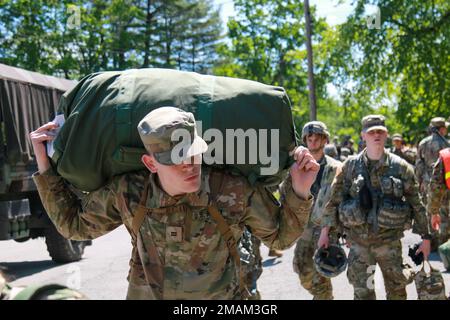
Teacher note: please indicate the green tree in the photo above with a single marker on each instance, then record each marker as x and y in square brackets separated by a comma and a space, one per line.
[402, 67]
[267, 44]
[43, 35]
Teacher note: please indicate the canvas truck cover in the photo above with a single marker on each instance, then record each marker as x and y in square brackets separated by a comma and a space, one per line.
[27, 101]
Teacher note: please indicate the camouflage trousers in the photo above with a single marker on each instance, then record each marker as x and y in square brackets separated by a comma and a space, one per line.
[362, 261]
[316, 284]
[443, 234]
[251, 263]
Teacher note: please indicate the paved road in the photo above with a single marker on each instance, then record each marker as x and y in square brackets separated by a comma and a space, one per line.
[101, 274]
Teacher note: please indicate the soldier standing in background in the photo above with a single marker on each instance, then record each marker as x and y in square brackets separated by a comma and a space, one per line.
[345, 153]
[438, 195]
[315, 135]
[331, 151]
[375, 198]
[427, 155]
[401, 150]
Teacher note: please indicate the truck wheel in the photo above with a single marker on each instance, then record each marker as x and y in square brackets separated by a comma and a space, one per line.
[62, 250]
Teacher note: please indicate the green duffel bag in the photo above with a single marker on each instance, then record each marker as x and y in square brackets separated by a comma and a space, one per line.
[99, 138]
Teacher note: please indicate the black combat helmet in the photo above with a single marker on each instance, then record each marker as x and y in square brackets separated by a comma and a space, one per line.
[331, 261]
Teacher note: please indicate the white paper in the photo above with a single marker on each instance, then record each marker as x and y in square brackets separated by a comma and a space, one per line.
[59, 119]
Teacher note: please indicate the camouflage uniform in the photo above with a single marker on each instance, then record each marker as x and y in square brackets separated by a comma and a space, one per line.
[405, 153]
[437, 196]
[251, 262]
[375, 235]
[427, 155]
[317, 285]
[311, 280]
[181, 255]
[375, 242]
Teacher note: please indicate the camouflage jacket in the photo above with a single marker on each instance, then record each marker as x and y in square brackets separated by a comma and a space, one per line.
[347, 181]
[437, 189]
[406, 153]
[427, 154]
[182, 254]
[321, 189]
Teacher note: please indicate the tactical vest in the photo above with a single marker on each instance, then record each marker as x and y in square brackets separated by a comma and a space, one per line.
[389, 208]
[445, 156]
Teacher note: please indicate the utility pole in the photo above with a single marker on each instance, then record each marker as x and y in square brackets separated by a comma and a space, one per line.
[312, 88]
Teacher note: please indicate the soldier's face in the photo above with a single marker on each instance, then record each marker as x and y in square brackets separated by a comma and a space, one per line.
[397, 143]
[375, 138]
[315, 142]
[177, 179]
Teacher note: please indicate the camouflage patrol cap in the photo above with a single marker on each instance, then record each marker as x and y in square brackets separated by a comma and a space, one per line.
[165, 128]
[397, 136]
[314, 127]
[439, 122]
[373, 122]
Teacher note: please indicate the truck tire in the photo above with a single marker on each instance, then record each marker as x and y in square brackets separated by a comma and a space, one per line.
[61, 249]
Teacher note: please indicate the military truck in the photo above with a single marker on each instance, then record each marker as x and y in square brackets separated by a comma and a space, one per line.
[28, 100]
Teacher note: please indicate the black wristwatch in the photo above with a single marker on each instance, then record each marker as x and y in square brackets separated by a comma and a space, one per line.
[426, 236]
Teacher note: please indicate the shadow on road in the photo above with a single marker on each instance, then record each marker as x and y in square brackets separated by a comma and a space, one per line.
[270, 262]
[17, 270]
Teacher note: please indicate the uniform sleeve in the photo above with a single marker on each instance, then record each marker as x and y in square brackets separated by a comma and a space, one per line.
[330, 214]
[75, 219]
[437, 188]
[420, 164]
[412, 196]
[277, 225]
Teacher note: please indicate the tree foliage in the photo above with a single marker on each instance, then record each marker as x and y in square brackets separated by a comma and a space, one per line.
[45, 35]
[401, 68]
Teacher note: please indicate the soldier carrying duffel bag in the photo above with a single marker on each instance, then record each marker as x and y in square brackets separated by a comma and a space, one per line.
[184, 219]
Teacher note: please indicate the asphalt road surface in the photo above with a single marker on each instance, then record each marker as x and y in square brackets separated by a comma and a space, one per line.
[102, 272]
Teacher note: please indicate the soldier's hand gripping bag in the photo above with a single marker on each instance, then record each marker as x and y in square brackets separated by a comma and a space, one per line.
[429, 285]
[100, 139]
